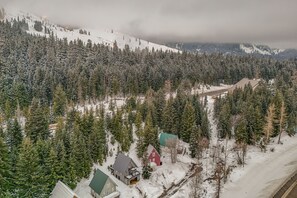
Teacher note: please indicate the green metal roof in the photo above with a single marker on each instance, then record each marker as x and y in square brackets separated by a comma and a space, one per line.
[98, 181]
[166, 136]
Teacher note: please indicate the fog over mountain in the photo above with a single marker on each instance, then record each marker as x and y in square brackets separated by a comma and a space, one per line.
[269, 22]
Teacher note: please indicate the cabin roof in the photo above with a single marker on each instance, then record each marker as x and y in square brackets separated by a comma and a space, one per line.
[122, 163]
[164, 137]
[98, 181]
[150, 148]
[61, 190]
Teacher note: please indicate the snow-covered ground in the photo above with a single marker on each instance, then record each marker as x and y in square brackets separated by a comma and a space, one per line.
[264, 172]
[99, 35]
[161, 178]
[120, 101]
[208, 187]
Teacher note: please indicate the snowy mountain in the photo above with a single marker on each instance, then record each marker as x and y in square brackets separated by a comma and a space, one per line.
[259, 49]
[43, 27]
[236, 49]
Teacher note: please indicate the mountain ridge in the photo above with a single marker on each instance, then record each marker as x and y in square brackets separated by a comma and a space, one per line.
[98, 36]
[236, 49]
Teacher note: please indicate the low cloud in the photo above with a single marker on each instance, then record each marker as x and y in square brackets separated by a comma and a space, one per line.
[270, 22]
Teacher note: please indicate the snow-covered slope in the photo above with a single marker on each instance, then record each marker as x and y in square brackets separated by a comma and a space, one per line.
[236, 49]
[99, 36]
[259, 49]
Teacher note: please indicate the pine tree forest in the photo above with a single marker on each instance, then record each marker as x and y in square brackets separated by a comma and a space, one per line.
[43, 79]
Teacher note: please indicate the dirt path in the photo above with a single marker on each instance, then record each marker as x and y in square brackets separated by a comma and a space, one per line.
[264, 177]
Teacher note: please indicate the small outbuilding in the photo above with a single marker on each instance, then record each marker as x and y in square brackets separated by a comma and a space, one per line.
[153, 155]
[166, 138]
[102, 186]
[61, 190]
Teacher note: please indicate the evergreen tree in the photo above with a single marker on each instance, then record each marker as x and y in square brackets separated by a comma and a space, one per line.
[14, 140]
[8, 110]
[138, 123]
[71, 177]
[116, 126]
[254, 124]
[140, 145]
[81, 155]
[2, 135]
[59, 101]
[277, 101]
[224, 121]
[150, 135]
[98, 142]
[198, 110]
[14, 135]
[178, 110]
[60, 130]
[5, 170]
[28, 175]
[241, 132]
[205, 126]
[126, 139]
[146, 172]
[43, 150]
[37, 125]
[52, 169]
[195, 138]
[188, 121]
[159, 103]
[146, 169]
[61, 167]
[168, 121]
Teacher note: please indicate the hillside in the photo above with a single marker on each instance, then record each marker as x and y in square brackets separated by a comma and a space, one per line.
[67, 108]
[236, 49]
[98, 36]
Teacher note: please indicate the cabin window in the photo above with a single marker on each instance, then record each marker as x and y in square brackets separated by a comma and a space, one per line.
[153, 154]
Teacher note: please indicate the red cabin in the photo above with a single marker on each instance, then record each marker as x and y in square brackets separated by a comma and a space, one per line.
[153, 155]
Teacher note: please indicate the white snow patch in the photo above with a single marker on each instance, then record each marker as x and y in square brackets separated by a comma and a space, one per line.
[253, 49]
[99, 36]
[264, 172]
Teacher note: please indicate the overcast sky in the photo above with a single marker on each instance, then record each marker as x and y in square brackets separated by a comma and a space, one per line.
[271, 22]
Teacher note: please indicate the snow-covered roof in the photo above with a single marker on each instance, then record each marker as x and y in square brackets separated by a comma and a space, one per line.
[245, 81]
[61, 190]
